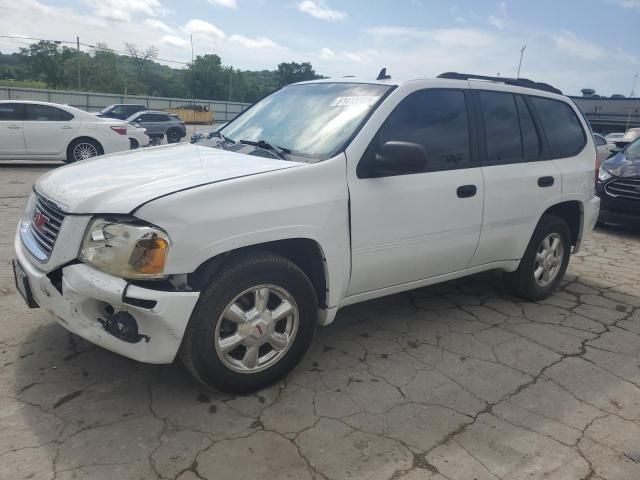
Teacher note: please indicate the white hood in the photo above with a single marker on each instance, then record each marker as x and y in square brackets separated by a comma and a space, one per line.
[120, 182]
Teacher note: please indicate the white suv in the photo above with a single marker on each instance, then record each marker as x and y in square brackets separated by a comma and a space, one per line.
[324, 194]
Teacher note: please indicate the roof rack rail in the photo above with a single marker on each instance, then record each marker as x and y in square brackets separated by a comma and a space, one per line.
[520, 82]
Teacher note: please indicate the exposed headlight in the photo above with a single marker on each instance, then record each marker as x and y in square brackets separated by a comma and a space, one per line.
[126, 248]
[603, 174]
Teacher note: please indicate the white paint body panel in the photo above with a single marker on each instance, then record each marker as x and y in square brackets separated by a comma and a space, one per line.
[377, 236]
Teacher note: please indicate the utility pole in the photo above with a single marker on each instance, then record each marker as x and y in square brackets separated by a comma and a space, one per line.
[230, 77]
[520, 64]
[78, 59]
[633, 88]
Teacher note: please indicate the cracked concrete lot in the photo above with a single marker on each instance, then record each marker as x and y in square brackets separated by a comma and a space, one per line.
[459, 381]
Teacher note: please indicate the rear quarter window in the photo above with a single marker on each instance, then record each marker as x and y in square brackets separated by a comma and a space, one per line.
[561, 125]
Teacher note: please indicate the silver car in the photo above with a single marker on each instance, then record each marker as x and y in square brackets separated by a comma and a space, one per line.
[158, 124]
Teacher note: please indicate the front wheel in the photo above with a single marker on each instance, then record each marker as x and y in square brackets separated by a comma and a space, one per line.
[252, 324]
[545, 260]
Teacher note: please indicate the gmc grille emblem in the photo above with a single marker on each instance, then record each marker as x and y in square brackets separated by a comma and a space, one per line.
[40, 221]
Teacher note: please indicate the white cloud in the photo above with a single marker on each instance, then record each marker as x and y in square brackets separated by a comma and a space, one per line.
[361, 57]
[224, 3]
[318, 9]
[570, 44]
[174, 41]
[158, 25]
[200, 27]
[123, 10]
[258, 42]
[450, 37]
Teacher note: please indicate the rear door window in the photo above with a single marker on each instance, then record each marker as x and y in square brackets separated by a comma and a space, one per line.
[502, 128]
[531, 144]
[10, 112]
[46, 113]
[562, 128]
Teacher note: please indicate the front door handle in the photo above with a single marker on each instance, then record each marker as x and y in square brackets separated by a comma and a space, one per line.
[13, 127]
[466, 191]
[545, 181]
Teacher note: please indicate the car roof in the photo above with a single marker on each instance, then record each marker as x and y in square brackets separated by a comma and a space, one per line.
[458, 80]
[69, 108]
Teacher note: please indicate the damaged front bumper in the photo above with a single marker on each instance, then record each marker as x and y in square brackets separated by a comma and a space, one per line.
[101, 308]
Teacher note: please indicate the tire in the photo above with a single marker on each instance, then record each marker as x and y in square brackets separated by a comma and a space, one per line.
[207, 349]
[524, 282]
[83, 148]
[174, 135]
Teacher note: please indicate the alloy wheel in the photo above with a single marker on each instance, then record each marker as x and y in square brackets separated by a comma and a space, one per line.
[256, 329]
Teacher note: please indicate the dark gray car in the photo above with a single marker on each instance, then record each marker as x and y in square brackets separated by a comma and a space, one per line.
[159, 124]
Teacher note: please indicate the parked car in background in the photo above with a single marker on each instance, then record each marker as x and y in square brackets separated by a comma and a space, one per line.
[629, 136]
[158, 124]
[614, 136]
[604, 148]
[138, 136]
[50, 131]
[324, 194]
[618, 187]
[120, 111]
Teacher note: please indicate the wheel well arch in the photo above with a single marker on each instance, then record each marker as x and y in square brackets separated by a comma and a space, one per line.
[305, 253]
[84, 137]
[572, 213]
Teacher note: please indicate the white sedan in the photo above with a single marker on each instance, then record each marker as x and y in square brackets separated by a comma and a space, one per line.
[50, 131]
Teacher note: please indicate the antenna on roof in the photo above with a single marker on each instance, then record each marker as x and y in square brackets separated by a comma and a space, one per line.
[383, 74]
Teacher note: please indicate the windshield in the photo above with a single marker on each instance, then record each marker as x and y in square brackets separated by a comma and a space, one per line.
[310, 120]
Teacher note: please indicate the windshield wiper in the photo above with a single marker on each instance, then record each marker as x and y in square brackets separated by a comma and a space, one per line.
[275, 150]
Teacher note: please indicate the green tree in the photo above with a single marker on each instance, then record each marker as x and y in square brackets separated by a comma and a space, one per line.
[295, 72]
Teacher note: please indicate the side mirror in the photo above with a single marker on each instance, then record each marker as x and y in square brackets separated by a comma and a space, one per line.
[397, 158]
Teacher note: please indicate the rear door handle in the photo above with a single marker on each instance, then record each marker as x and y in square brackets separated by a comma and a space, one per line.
[13, 127]
[67, 127]
[466, 191]
[545, 181]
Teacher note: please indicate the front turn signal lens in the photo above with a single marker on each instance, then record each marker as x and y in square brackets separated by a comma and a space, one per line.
[149, 256]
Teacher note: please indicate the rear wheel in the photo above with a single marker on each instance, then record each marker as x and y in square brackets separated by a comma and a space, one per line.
[252, 324]
[173, 135]
[82, 149]
[545, 260]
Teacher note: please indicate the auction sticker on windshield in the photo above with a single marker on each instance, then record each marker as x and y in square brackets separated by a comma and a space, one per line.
[362, 100]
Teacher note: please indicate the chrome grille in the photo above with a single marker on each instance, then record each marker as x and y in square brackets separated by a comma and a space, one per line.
[45, 225]
[624, 188]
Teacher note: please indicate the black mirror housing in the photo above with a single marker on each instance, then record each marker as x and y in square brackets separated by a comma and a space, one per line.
[397, 158]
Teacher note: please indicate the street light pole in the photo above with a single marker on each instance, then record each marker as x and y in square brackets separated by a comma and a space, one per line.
[520, 64]
[78, 59]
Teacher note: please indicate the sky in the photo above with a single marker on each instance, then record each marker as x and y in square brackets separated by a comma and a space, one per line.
[570, 44]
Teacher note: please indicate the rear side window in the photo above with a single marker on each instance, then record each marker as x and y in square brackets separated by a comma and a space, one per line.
[45, 113]
[562, 128]
[502, 127]
[436, 119]
[10, 112]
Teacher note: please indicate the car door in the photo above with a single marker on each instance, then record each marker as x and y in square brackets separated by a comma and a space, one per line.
[47, 129]
[11, 129]
[521, 180]
[409, 226]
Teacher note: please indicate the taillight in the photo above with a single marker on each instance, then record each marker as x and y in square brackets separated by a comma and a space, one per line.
[120, 130]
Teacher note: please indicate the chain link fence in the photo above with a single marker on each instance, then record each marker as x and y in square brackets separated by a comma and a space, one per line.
[94, 102]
